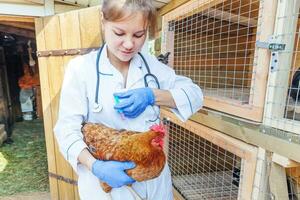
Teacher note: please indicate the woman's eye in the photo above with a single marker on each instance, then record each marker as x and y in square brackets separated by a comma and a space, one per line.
[139, 35]
[119, 34]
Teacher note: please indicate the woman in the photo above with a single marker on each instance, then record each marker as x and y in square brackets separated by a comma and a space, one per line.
[122, 100]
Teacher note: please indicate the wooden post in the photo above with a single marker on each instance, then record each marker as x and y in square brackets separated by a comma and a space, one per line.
[285, 27]
[278, 184]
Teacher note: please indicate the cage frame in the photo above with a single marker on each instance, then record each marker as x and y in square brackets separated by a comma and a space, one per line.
[255, 111]
[248, 153]
[284, 8]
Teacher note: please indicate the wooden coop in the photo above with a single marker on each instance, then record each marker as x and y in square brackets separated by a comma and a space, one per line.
[206, 164]
[213, 43]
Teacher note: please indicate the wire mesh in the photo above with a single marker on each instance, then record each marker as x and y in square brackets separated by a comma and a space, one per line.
[292, 110]
[284, 108]
[214, 45]
[201, 169]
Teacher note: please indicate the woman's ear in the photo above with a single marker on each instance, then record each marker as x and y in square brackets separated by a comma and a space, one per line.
[101, 16]
[102, 20]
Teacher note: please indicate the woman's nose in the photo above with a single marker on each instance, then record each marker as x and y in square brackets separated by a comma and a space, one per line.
[128, 43]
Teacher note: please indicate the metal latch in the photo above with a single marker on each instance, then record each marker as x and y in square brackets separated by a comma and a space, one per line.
[270, 46]
[275, 48]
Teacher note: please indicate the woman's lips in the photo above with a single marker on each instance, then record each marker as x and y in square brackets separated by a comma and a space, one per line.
[127, 52]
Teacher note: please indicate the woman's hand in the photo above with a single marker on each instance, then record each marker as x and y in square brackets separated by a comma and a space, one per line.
[113, 172]
[134, 102]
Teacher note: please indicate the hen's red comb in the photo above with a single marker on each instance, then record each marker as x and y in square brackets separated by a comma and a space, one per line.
[158, 128]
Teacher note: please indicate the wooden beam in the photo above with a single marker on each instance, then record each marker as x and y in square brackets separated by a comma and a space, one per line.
[41, 2]
[226, 16]
[36, 1]
[71, 3]
[27, 26]
[9, 18]
[177, 196]
[278, 185]
[248, 132]
[171, 6]
[61, 8]
[21, 9]
[17, 31]
[49, 8]
[284, 161]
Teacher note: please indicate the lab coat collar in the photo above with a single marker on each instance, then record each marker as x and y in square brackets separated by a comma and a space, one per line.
[105, 67]
[135, 71]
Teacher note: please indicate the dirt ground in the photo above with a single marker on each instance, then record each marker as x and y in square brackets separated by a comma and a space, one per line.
[29, 196]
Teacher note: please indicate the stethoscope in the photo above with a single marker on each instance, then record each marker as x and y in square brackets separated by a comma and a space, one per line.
[147, 78]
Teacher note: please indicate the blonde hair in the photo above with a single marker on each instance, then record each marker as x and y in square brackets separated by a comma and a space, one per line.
[116, 10]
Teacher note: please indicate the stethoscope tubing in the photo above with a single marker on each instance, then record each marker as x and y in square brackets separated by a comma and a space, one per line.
[146, 76]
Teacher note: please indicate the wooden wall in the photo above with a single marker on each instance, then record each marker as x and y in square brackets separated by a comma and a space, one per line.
[76, 29]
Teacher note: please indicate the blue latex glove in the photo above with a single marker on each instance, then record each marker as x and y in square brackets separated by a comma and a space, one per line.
[112, 172]
[134, 102]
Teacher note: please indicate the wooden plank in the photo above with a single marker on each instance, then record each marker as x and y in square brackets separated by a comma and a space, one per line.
[69, 29]
[278, 184]
[49, 8]
[77, 3]
[231, 17]
[71, 38]
[171, 6]
[195, 6]
[284, 161]
[36, 1]
[260, 77]
[284, 31]
[9, 18]
[41, 2]
[261, 182]
[90, 27]
[246, 111]
[177, 196]
[249, 132]
[62, 8]
[247, 179]
[55, 76]
[22, 9]
[47, 113]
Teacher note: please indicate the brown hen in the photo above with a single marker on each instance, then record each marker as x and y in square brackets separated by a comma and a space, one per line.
[144, 149]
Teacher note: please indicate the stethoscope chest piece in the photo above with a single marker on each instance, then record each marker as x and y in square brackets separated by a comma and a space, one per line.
[97, 107]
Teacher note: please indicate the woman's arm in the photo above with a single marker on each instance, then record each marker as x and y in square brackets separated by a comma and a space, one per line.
[164, 98]
[86, 158]
[72, 112]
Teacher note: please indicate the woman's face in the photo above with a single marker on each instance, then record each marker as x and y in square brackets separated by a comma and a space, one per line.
[126, 37]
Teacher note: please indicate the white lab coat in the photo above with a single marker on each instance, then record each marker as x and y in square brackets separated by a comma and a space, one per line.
[77, 103]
